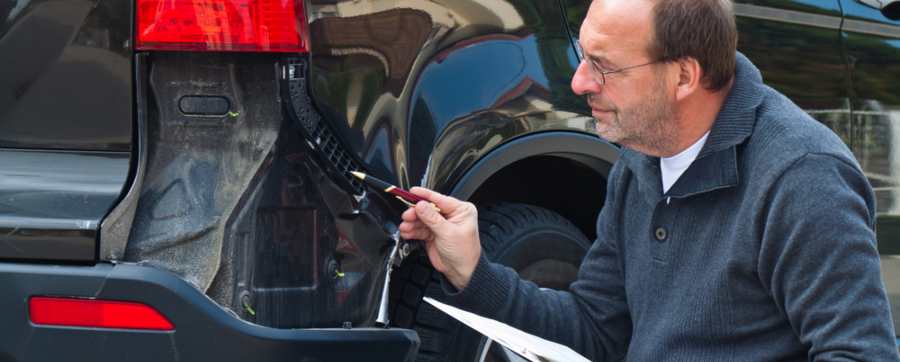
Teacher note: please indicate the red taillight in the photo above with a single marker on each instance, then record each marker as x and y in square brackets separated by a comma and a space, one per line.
[221, 25]
[95, 313]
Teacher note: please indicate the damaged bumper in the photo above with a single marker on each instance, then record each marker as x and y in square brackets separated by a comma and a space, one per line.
[203, 330]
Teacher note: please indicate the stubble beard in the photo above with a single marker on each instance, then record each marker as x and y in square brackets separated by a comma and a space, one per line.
[648, 127]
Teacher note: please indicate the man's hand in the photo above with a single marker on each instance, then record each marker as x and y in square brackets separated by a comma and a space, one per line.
[450, 236]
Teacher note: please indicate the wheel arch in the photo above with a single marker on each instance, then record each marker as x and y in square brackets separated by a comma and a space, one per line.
[529, 170]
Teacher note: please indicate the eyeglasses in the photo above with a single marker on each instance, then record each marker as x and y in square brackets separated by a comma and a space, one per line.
[600, 75]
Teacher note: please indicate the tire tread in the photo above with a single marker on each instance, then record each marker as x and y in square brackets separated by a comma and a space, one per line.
[439, 334]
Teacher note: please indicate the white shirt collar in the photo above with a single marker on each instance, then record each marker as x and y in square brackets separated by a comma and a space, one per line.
[672, 167]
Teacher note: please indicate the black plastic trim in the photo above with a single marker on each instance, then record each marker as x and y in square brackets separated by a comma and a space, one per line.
[591, 151]
[203, 330]
[319, 133]
[116, 226]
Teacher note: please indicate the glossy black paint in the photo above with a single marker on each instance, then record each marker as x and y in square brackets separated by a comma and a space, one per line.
[52, 202]
[203, 330]
[564, 145]
[421, 93]
[781, 39]
[65, 74]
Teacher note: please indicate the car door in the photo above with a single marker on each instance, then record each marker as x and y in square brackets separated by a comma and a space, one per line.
[65, 125]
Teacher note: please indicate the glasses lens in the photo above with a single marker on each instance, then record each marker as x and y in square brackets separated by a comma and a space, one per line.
[596, 74]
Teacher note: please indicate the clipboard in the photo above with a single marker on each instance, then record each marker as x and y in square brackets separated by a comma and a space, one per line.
[530, 347]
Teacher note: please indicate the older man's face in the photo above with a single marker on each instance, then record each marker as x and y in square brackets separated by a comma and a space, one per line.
[635, 107]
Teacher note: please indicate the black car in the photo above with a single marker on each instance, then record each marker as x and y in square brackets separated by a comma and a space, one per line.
[175, 174]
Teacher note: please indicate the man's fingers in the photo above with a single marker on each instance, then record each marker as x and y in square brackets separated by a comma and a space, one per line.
[429, 216]
[446, 203]
[416, 234]
[409, 215]
[412, 225]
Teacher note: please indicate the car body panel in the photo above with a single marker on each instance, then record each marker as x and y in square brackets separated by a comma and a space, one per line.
[49, 50]
[65, 151]
[409, 108]
[52, 202]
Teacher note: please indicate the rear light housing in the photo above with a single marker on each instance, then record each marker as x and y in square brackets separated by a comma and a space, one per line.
[221, 25]
[95, 313]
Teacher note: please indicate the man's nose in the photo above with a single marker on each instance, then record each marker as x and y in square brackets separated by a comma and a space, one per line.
[582, 82]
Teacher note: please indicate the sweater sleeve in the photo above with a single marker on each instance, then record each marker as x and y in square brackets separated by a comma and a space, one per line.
[819, 261]
[592, 319]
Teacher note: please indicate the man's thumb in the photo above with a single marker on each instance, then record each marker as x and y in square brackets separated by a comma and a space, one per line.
[429, 215]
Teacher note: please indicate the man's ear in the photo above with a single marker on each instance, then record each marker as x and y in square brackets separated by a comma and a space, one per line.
[689, 77]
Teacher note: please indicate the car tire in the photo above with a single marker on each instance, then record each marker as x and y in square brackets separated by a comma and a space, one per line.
[540, 244]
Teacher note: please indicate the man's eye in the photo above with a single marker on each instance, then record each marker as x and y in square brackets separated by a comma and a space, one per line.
[601, 67]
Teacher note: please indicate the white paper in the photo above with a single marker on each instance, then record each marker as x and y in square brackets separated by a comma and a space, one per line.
[530, 347]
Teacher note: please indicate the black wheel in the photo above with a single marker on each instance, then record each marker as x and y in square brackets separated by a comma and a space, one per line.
[540, 244]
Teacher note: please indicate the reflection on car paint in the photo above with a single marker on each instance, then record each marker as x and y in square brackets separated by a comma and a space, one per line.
[49, 50]
[423, 77]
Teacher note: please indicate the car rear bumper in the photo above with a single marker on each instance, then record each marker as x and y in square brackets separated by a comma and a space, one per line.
[203, 330]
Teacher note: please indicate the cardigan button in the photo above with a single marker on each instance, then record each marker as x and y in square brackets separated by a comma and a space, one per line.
[661, 233]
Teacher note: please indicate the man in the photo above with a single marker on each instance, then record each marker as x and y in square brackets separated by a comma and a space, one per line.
[735, 226]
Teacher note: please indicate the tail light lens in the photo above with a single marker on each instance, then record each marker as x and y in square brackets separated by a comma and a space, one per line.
[221, 25]
[95, 313]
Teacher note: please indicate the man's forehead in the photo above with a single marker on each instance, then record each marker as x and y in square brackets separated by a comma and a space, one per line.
[617, 24]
